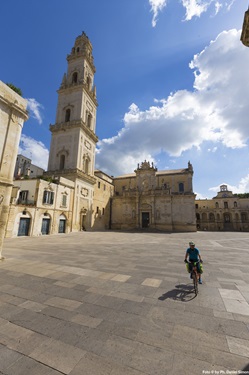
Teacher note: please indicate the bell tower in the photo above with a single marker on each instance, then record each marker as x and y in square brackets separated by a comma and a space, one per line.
[73, 143]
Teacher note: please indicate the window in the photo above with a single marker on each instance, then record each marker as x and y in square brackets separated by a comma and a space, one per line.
[235, 204]
[196, 206]
[216, 205]
[181, 187]
[48, 197]
[75, 77]
[103, 211]
[67, 115]
[89, 83]
[225, 204]
[87, 166]
[243, 217]
[99, 184]
[227, 218]
[62, 162]
[64, 200]
[211, 217]
[23, 196]
[89, 120]
[97, 210]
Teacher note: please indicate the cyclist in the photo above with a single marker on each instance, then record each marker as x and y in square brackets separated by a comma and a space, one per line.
[194, 256]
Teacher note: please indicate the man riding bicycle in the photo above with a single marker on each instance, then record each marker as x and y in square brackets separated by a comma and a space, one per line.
[194, 257]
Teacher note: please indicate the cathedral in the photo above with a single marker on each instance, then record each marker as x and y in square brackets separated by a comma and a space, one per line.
[72, 196]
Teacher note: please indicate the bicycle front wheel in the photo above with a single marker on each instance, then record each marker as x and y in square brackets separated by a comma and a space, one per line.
[195, 282]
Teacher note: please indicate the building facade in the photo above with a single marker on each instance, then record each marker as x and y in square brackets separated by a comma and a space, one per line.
[73, 196]
[225, 212]
[73, 144]
[13, 113]
[148, 198]
[25, 168]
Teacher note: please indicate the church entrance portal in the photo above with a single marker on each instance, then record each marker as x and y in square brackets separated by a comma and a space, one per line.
[145, 219]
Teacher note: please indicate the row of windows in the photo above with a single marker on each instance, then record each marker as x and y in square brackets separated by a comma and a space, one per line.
[85, 166]
[226, 216]
[225, 205]
[99, 185]
[89, 117]
[98, 210]
[48, 198]
[166, 186]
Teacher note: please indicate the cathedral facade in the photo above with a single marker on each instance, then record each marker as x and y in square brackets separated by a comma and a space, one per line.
[72, 196]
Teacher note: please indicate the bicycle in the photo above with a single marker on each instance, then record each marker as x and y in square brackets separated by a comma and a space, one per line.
[194, 275]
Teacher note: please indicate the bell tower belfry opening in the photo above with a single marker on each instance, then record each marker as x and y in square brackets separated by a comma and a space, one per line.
[73, 143]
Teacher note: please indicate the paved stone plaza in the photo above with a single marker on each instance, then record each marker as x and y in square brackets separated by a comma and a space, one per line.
[114, 303]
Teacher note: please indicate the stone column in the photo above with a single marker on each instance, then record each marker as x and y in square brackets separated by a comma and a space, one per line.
[13, 113]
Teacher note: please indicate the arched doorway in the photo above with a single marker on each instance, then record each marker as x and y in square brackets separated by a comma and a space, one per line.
[24, 224]
[62, 224]
[45, 227]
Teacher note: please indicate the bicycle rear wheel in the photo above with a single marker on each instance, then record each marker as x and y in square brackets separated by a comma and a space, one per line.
[195, 282]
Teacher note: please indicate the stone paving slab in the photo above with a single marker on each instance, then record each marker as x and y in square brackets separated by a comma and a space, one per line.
[112, 303]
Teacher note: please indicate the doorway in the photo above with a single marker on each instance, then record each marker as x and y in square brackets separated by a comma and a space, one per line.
[23, 229]
[145, 219]
[62, 226]
[45, 226]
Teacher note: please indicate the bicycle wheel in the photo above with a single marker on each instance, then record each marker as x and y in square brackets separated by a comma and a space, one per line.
[195, 282]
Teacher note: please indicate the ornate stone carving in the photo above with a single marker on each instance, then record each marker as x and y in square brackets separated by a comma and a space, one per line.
[84, 192]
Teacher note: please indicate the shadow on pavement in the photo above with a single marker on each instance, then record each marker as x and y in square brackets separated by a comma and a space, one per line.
[183, 292]
[246, 369]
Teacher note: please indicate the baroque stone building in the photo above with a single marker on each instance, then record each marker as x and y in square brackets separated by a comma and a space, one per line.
[73, 196]
[72, 149]
[13, 113]
[226, 212]
[148, 198]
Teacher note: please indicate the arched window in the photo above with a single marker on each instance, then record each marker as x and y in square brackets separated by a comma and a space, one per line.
[62, 162]
[67, 115]
[243, 217]
[86, 166]
[197, 216]
[89, 120]
[211, 217]
[75, 77]
[234, 204]
[181, 187]
[89, 82]
[227, 218]
[78, 49]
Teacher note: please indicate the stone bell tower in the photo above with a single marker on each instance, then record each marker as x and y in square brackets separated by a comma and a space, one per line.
[73, 143]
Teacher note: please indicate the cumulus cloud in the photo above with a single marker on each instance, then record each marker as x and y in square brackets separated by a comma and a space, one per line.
[156, 7]
[242, 187]
[34, 150]
[216, 110]
[35, 109]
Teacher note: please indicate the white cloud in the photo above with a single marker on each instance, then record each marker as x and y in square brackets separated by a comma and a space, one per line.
[193, 8]
[156, 7]
[35, 109]
[34, 150]
[216, 111]
[242, 187]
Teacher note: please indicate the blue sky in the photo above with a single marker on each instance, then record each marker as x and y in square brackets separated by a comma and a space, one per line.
[172, 81]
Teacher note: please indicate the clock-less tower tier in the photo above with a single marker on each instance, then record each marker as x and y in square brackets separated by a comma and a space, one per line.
[73, 143]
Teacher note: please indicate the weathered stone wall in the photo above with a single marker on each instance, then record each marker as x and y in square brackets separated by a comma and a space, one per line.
[13, 113]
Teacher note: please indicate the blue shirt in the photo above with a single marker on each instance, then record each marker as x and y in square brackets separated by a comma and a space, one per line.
[193, 254]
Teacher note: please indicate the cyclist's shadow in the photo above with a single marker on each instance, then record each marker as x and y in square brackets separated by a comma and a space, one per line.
[182, 292]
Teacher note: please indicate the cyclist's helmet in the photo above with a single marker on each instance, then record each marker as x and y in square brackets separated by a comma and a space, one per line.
[191, 243]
